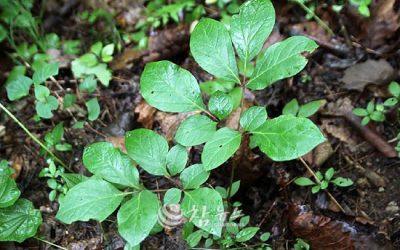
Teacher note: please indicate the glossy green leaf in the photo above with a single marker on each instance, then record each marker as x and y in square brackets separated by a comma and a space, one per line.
[196, 201]
[194, 176]
[360, 112]
[253, 118]
[195, 130]
[329, 174]
[18, 88]
[309, 109]
[211, 47]
[246, 234]
[287, 137]
[93, 109]
[251, 28]
[172, 196]
[19, 222]
[391, 102]
[220, 105]
[342, 182]
[291, 108]
[45, 72]
[220, 148]
[148, 149]
[9, 192]
[138, 216]
[167, 87]
[281, 60]
[394, 89]
[92, 199]
[304, 181]
[176, 159]
[106, 161]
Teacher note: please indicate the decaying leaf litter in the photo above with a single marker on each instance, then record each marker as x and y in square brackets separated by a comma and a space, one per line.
[350, 68]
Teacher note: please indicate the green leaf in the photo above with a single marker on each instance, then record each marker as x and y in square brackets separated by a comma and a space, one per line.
[167, 87]
[315, 189]
[195, 130]
[9, 191]
[251, 27]
[71, 47]
[304, 181]
[69, 99]
[253, 118]
[220, 148]
[287, 137]
[41, 93]
[236, 95]
[235, 188]
[342, 182]
[15, 73]
[45, 72]
[194, 238]
[365, 120]
[244, 221]
[106, 53]
[93, 109]
[370, 107]
[107, 162]
[394, 89]
[19, 222]
[291, 108]
[309, 109]
[64, 147]
[52, 41]
[220, 105]
[172, 196]
[390, 102]
[44, 109]
[18, 88]
[100, 71]
[3, 33]
[88, 59]
[360, 112]
[96, 48]
[148, 149]
[89, 84]
[138, 216]
[281, 60]
[246, 234]
[329, 174]
[210, 87]
[193, 204]
[193, 176]
[72, 180]
[176, 159]
[211, 47]
[265, 236]
[92, 199]
[78, 124]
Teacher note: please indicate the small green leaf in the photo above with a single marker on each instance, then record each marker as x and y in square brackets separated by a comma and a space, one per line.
[220, 148]
[394, 89]
[3, 33]
[64, 147]
[193, 176]
[18, 88]
[41, 93]
[167, 87]
[19, 222]
[246, 234]
[390, 102]
[96, 48]
[148, 149]
[329, 174]
[371, 107]
[195, 130]
[309, 109]
[315, 189]
[69, 99]
[176, 159]
[210, 87]
[360, 112]
[253, 118]
[101, 71]
[291, 108]
[342, 182]
[235, 188]
[211, 47]
[220, 105]
[92, 199]
[106, 53]
[236, 96]
[9, 192]
[265, 236]
[44, 109]
[72, 180]
[137, 217]
[377, 116]
[79, 125]
[89, 84]
[251, 27]
[93, 109]
[71, 47]
[244, 221]
[45, 72]
[88, 59]
[365, 121]
[194, 203]
[281, 60]
[287, 137]
[194, 238]
[304, 181]
[172, 196]
[107, 162]
[324, 184]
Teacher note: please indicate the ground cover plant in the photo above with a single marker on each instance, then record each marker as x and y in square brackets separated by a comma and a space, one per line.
[198, 125]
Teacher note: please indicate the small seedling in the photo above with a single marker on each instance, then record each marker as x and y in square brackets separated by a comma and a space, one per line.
[323, 181]
[305, 110]
[301, 245]
[362, 6]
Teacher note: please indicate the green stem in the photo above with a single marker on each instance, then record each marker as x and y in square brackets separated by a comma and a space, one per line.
[34, 138]
[49, 243]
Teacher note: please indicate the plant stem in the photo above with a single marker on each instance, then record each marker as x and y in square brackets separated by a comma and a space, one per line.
[49, 243]
[34, 138]
[319, 182]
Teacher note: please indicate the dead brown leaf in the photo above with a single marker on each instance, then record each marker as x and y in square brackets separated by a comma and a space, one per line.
[146, 114]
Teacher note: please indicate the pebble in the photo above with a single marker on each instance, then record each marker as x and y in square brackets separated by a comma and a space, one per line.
[392, 208]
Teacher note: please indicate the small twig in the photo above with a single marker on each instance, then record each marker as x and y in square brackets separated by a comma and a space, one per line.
[319, 182]
[49, 243]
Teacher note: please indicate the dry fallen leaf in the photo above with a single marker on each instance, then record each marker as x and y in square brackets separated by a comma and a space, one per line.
[146, 114]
